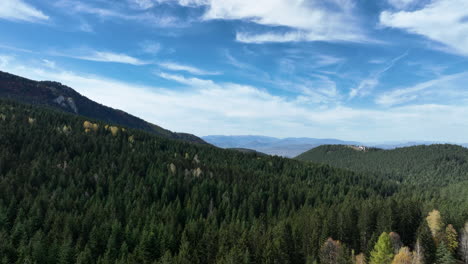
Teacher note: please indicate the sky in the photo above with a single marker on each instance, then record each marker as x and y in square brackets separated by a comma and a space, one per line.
[364, 70]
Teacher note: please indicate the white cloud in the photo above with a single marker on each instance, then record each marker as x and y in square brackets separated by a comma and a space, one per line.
[312, 20]
[193, 82]
[402, 4]
[49, 63]
[368, 84]
[143, 4]
[327, 60]
[186, 68]
[150, 47]
[102, 56]
[113, 12]
[377, 61]
[443, 21]
[443, 87]
[228, 108]
[17, 10]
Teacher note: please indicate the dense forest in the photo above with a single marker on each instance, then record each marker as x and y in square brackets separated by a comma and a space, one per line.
[76, 190]
[433, 165]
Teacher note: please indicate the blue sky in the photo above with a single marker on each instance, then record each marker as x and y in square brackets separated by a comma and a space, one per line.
[350, 69]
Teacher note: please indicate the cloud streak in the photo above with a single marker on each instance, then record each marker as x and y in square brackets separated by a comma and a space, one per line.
[104, 56]
[441, 87]
[17, 10]
[186, 68]
[369, 83]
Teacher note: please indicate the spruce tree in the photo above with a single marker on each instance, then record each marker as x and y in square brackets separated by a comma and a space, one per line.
[383, 250]
[443, 255]
[424, 236]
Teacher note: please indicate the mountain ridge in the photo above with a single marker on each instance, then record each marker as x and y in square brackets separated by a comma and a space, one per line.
[64, 98]
[294, 146]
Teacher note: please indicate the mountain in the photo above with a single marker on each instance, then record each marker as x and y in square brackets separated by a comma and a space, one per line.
[422, 163]
[286, 147]
[75, 190]
[58, 96]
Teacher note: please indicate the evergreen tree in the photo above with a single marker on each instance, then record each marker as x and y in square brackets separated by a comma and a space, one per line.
[443, 255]
[426, 240]
[383, 250]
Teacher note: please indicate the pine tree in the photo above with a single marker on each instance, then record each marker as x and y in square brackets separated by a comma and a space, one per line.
[424, 236]
[443, 255]
[383, 250]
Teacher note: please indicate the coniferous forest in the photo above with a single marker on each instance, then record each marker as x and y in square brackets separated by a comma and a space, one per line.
[76, 190]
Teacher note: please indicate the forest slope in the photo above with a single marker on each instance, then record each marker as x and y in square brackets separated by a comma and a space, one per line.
[74, 190]
[432, 164]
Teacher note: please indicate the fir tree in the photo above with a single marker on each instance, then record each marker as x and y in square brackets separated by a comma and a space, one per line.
[383, 250]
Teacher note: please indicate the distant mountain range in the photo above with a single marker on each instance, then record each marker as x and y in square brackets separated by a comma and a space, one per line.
[287, 147]
[58, 96]
[292, 147]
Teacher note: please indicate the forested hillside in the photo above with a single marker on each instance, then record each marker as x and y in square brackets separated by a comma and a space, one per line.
[64, 98]
[422, 165]
[76, 190]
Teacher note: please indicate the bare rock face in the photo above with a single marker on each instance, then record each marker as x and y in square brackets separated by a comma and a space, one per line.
[72, 105]
[66, 103]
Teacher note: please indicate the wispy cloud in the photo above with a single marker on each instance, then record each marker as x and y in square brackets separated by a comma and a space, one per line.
[150, 47]
[104, 56]
[369, 83]
[402, 4]
[229, 108]
[17, 10]
[442, 86]
[186, 68]
[192, 82]
[49, 64]
[431, 22]
[113, 12]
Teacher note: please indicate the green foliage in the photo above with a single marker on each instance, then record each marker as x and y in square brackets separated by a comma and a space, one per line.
[443, 255]
[70, 196]
[427, 243]
[383, 250]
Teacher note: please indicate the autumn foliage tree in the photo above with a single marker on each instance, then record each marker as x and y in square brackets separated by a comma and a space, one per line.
[333, 252]
[404, 256]
[434, 221]
[451, 238]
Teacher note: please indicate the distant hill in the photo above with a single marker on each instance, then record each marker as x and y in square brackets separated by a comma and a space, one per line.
[58, 96]
[244, 150]
[286, 147]
[416, 163]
